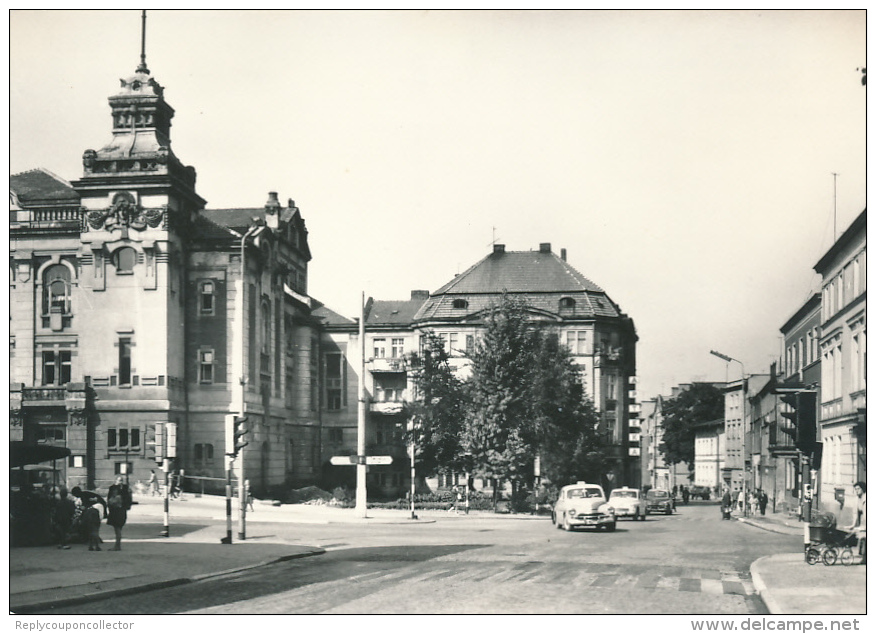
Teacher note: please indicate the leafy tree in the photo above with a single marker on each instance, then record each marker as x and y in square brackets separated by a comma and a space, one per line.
[700, 403]
[526, 399]
[438, 412]
[499, 433]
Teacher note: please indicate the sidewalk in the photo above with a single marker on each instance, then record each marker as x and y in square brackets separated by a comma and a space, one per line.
[788, 585]
[42, 577]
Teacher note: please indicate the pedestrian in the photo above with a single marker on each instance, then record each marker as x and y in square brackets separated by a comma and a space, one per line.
[248, 494]
[175, 489]
[740, 501]
[762, 501]
[685, 494]
[65, 508]
[752, 502]
[726, 504]
[153, 483]
[91, 522]
[119, 500]
[859, 526]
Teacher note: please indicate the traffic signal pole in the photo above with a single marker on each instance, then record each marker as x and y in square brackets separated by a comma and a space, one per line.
[241, 492]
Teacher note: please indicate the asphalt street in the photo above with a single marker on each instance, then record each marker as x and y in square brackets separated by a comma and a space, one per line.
[691, 562]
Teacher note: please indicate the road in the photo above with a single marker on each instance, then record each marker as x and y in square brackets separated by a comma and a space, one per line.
[691, 562]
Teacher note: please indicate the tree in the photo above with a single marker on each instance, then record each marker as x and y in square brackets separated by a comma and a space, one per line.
[438, 412]
[700, 403]
[526, 399]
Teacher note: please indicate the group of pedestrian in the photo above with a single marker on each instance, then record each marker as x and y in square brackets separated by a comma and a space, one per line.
[77, 516]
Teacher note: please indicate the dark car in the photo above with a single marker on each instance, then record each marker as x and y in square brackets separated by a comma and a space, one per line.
[704, 493]
[659, 501]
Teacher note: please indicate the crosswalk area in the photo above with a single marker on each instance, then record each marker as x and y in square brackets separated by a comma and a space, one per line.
[619, 577]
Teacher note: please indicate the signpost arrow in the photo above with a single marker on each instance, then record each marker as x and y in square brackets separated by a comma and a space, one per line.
[378, 460]
[353, 460]
[343, 460]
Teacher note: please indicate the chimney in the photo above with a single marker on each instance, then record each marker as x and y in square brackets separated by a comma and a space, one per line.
[544, 247]
[563, 254]
[272, 211]
[420, 295]
[498, 248]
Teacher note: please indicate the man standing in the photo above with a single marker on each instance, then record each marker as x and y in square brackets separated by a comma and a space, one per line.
[859, 527]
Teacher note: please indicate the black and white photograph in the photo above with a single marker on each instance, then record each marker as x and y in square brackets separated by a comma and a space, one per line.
[474, 314]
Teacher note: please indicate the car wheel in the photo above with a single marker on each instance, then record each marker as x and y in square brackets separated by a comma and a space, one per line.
[636, 516]
[566, 525]
[557, 522]
[553, 518]
[669, 511]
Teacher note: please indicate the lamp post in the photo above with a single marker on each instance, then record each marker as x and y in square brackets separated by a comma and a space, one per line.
[241, 355]
[744, 399]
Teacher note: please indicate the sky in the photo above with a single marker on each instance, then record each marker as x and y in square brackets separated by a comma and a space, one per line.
[695, 165]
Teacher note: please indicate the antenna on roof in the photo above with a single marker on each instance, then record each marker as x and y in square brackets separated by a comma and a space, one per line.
[493, 243]
[142, 67]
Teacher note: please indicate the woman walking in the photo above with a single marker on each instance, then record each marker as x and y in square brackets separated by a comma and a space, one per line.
[119, 501]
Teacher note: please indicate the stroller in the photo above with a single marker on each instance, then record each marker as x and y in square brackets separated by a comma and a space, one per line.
[828, 545]
[725, 512]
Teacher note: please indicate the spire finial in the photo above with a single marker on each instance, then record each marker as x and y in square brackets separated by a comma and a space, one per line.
[142, 67]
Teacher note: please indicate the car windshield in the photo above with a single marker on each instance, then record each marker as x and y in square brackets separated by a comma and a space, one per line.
[584, 493]
[657, 494]
[625, 494]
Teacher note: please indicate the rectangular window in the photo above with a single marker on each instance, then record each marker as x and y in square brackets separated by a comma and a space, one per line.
[205, 366]
[57, 367]
[576, 341]
[206, 298]
[469, 343]
[336, 435]
[380, 348]
[398, 348]
[453, 343]
[120, 439]
[334, 380]
[125, 361]
[203, 454]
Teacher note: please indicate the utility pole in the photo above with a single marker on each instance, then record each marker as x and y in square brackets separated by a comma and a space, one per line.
[744, 393]
[361, 469]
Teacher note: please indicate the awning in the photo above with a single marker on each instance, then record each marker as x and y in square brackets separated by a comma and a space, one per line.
[21, 454]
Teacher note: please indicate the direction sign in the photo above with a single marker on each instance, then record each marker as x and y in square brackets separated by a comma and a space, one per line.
[343, 460]
[378, 460]
[348, 460]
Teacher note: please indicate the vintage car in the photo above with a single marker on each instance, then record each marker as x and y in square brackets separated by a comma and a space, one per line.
[627, 502]
[702, 492]
[659, 501]
[583, 505]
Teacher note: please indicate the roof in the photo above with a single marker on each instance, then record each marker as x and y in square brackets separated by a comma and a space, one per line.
[205, 228]
[234, 218]
[519, 272]
[540, 278]
[393, 313]
[858, 226]
[330, 317]
[40, 186]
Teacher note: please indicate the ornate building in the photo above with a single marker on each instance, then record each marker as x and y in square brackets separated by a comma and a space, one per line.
[137, 313]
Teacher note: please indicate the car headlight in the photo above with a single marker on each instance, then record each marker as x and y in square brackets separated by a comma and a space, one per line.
[571, 512]
[609, 510]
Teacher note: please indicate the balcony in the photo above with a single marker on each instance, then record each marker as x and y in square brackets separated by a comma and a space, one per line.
[387, 364]
[386, 407]
[58, 218]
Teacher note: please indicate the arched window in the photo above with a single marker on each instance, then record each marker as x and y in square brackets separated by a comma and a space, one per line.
[56, 296]
[567, 303]
[460, 303]
[266, 327]
[124, 260]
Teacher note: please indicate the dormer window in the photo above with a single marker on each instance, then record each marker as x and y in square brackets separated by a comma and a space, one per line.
[567, 304]
[124, 260]
[460, 303]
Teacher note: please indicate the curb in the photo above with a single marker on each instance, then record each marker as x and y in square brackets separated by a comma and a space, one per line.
[147, 587]
[763, 592]
[766, 527]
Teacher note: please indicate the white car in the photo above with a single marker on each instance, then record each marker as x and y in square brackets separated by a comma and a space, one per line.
[627, 502]
[583, 505]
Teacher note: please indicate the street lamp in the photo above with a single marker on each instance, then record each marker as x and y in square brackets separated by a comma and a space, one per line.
[744, 390]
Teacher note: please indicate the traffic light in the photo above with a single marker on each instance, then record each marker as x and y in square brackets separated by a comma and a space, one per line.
[234, 431]
[800, 419]
[155, 441]
[170, 435]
